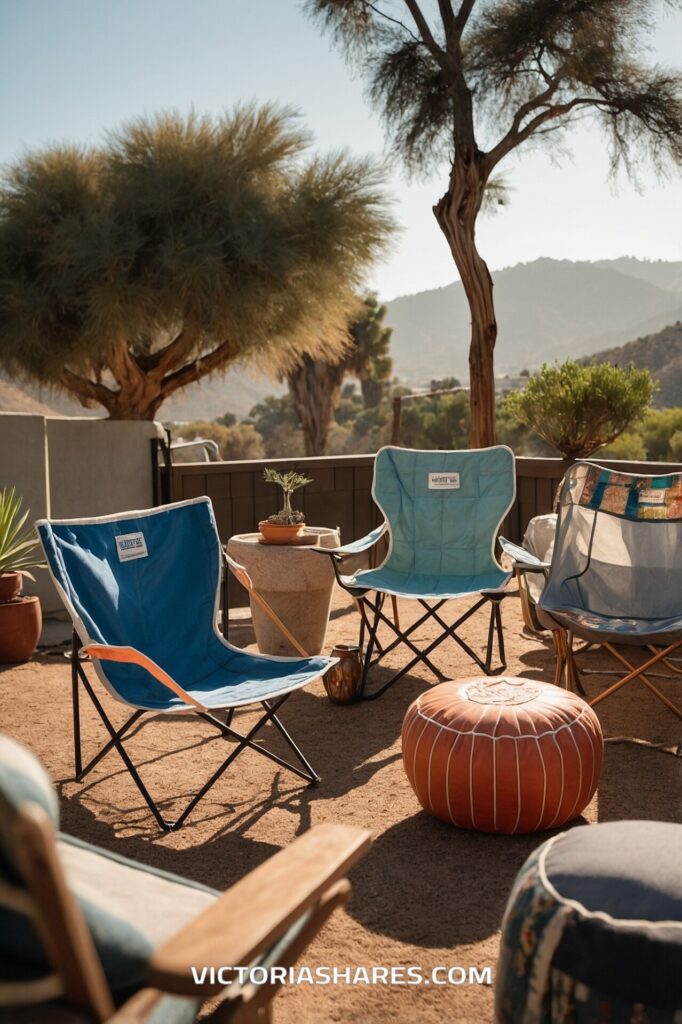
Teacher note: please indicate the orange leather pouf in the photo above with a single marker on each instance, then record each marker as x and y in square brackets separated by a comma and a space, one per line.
[502, 755]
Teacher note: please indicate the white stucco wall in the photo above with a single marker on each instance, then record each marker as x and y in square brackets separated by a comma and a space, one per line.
[70, 467]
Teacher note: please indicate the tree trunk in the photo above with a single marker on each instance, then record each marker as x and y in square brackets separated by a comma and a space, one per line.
[456, 214]
[315, 387]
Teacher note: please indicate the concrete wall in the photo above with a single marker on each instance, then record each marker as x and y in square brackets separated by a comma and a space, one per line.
[72, 467]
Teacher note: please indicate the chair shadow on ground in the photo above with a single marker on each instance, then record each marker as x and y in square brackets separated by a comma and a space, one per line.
[347, 746]
[423, 883]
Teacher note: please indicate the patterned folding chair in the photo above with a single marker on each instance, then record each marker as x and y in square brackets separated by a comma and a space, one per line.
[442, 511]
[83, 930]
[142, 589]
[614, 578]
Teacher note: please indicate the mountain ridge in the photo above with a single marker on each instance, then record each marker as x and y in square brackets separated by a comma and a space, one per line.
[547, 309]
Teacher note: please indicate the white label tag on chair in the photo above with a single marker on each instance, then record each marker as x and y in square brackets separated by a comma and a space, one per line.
[131, 545]
[443, 481]
[652, 496]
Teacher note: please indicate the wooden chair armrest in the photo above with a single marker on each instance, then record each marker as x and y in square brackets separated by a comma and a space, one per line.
[246, 920]
[139, 1008]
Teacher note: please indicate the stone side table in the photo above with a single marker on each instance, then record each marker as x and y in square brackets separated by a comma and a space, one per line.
[295, 582]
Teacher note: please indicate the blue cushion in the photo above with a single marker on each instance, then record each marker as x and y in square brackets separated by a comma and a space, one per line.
[595, 919]
[23, 780]
[129, 908]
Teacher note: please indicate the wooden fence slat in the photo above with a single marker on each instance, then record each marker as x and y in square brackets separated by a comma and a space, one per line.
[340, 494]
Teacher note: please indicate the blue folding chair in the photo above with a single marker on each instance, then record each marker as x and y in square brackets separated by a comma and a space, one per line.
[142, 589]
[442, 511]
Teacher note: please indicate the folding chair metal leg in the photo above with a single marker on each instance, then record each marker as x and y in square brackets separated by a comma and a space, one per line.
[312, 774]
[75, 700]
[559, 638]
[449, 631]
[244, 741]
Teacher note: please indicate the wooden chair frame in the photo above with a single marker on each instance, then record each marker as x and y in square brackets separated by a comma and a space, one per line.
[306, 877]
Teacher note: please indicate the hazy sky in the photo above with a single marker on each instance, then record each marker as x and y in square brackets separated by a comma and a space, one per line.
[70, 69]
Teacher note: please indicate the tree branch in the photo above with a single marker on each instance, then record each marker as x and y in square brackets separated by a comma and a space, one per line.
[86, 391]
[198, 368]
[172, 356]
[463, 15]
[516, 135]
[395, 21]
[441, 56]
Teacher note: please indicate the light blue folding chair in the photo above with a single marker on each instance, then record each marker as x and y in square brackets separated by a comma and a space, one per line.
[442, 511]
[142, 589]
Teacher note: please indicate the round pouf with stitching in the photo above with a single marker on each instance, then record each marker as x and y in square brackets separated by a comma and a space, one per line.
[502, 755]
[593, 929]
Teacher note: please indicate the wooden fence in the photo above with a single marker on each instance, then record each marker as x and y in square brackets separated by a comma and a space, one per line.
[340, 494]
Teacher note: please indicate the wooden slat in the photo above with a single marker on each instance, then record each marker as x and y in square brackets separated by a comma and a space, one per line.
[340, 492]
[259, 908]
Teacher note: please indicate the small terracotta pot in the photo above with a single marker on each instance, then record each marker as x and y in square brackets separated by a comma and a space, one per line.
[343, 681]
[280, 533]
[20, 624]
[10, 585]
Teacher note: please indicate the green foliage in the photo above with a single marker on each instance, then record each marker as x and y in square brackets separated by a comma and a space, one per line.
[180, 246]
[228, 419]
[276, 421]
[629, 447]
[520, 438]
[315, 385]
[441, 422]
[367, 357]
[519, 59]
[236, 441]
[657, 431]
[579, 409]
[289, 482]
[676, 446]
[17, 545]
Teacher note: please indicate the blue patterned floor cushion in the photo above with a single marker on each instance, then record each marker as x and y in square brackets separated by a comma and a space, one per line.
[593, 929]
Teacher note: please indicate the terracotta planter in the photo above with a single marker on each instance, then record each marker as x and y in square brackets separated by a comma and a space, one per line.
[280, 533]
[10, 585]
[20, 624]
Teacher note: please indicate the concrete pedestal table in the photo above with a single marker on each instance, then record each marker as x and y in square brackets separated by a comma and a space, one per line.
[296, 582]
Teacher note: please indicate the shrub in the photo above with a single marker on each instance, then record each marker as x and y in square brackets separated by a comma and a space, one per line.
[578, 408]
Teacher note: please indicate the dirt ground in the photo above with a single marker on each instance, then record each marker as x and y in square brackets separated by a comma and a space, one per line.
[426, 895]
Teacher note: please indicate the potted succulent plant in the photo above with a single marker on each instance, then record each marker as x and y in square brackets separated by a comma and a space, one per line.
[287, 524]
[20, 617]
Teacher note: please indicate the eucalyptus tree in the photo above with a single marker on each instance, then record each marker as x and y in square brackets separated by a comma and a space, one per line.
[179, 247]
[469, 82]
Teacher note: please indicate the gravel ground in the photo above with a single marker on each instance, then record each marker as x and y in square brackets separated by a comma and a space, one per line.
[427, 894]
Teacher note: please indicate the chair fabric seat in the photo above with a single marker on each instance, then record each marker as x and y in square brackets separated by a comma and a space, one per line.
[161, 598]
[610, 628]
[225, 677]
[130, 910]
[594, 923]
[428, 586]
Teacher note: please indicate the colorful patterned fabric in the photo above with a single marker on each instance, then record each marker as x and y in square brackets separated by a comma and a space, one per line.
[607, 956]
[617, 559]
[633, 497]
